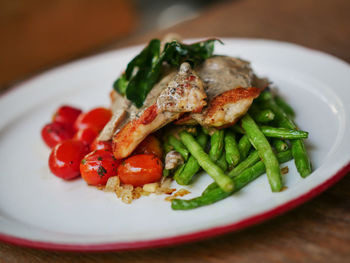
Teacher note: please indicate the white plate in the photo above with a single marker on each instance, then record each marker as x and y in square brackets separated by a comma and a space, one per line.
[40, 210]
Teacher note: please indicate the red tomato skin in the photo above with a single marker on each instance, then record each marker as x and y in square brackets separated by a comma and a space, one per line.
[65, 158]
[54, 133]
[101, 145]
[96, 118]
[87, 134]
[140, 169]
[98, 166]
[150, 145]
[66, 114]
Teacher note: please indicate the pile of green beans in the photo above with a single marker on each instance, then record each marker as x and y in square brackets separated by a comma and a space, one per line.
[264, 138]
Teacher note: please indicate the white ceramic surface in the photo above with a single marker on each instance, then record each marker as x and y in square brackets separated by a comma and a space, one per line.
[37, 206]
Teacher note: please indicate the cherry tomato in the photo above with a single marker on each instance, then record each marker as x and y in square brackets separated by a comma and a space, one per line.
[56, 132]
[87, 134]
[96, 118]
[65, 158]
[98, 166]
[140, 169]
[66, 114]
[150, 145]
[101, 145]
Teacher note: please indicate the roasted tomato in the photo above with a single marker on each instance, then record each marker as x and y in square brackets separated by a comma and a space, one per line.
[54, 133]
[101, 145]
[66, 114]
[150, 145]
[98, 166]
[65, 158]
[140, 169]
[87, 134]
[96, 118]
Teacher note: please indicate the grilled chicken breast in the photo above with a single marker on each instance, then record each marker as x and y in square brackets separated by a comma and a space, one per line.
[183, 93]
[231, 86]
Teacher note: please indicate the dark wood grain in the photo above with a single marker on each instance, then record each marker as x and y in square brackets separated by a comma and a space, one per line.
[318, 231]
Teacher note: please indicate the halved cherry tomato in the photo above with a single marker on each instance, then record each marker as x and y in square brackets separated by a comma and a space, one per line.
[98, 166]
[96, 118]
[140, 169]
[101, 145]
[65, 158]
[54, 133]
[150, 145]
[87, 134]
[66, 114]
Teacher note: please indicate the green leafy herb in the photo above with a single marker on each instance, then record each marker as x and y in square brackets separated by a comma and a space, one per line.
[101, 171]
[146, 68]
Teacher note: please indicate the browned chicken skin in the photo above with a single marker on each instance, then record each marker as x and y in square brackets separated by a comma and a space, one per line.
[231, 86]
[184, 93]
[226, 85]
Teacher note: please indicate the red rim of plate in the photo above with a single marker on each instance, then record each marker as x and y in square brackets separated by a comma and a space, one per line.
[204, 234]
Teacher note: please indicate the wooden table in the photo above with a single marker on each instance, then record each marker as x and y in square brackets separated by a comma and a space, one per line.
[318, 231]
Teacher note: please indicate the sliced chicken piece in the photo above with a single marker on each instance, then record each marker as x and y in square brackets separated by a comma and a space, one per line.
[184, 93]
[123, 110]
[119, 107]
[228, 83]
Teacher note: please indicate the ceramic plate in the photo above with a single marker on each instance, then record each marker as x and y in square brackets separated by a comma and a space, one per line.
[40, 210]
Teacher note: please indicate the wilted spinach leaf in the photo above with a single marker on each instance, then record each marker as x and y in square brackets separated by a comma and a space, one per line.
[146, 68]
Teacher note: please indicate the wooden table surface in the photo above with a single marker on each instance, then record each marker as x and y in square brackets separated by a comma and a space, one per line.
[318, 231]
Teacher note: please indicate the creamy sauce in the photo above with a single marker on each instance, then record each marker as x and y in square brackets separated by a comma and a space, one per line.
[222, 73]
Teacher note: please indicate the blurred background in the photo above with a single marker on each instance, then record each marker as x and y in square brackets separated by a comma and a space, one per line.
[40, 34]
[37, 34]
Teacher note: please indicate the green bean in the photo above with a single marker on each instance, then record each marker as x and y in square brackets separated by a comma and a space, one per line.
[264, 116]
[237, 129]
[259, 115]
[210, 197]
[264, 96]
[191, 166]
[221, 162]
[283, 133]
[244, 146]
[301, 159]
[231, 149]
[265, 151]
[167, 147]
[285, 106]
[178, 146]
[215, 194]
[249, 161]
[166, 172]
[252, 159]
[205, 130]
[179, 170]
[280, 145]
[217, 144]
[225, 182]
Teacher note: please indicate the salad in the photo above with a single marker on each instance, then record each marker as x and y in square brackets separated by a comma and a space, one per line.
[175, 111]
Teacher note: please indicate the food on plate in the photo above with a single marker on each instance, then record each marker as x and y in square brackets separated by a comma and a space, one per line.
[95, 118]
[56, 132]
[178, 109]
[66, 114]
[140, 169]
[98, 166]
[65, 158]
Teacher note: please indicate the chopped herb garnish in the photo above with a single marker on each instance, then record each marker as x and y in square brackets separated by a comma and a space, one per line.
[101, 171]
